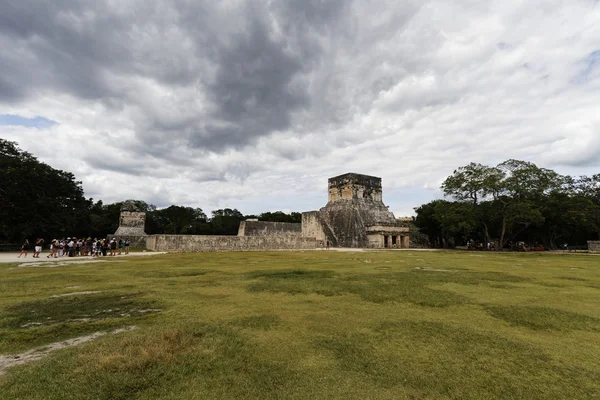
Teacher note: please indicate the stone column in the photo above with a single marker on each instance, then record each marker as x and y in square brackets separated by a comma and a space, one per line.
[389, 241]
[405, 242]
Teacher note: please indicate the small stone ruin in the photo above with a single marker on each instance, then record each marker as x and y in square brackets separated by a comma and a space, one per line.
[131, 224]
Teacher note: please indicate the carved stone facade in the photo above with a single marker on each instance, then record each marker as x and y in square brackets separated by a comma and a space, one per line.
[131, 225]
[355, 216]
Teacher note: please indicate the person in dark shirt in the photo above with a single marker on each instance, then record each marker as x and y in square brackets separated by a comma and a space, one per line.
[24, 249]
[104, 247]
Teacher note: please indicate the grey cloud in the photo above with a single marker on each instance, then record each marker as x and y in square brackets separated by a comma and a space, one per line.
[248, 62]
[9, 91]
[213, 93]
[129, 166]
[253, 90]
[68, 44]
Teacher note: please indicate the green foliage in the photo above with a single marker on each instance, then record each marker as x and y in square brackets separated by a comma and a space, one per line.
[513, 201]
[37, 200]
[446, 222]
[280, 216]
[473, 182]
[226, 221]
[177, 220]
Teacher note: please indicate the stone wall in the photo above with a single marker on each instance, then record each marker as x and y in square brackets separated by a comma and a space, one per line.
[192, 243]
[136, 241]
[264, 228]
[594, 246]
[312, 227]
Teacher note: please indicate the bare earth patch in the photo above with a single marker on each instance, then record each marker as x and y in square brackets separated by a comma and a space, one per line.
[76, 293]
[37, 354]
[433, 269]
[54, 264]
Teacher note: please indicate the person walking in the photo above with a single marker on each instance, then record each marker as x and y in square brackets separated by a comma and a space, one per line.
[98, 247]
[88, 246]
[38, 247]
[104, 247]
[52, 249]
[126, 246]
[71, 247]
[120, 245]
[24, 248]
[113, 247]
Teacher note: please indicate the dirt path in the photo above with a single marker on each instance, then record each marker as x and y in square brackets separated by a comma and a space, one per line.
[14, 257]
[37, 354]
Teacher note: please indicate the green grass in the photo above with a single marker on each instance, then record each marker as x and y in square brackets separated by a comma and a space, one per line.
[306, 325]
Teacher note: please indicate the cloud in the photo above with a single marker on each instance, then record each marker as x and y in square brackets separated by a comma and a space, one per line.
[245, 104]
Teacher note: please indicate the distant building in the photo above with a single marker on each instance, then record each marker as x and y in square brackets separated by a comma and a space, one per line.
[355, 216]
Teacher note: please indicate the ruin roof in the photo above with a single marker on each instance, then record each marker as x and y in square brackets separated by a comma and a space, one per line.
[357, 179]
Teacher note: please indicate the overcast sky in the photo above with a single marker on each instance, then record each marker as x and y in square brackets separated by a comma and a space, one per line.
[254, 104]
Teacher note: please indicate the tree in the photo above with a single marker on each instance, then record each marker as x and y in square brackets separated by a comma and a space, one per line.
[473, 182]
[520, 194]
[226, 221]
[516, 197]
[178, 220]
[447, 223]
[280, 216]
[36, 199]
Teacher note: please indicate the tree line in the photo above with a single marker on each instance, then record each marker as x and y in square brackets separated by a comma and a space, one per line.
[510, 203]
[514, 201]
[37, 200]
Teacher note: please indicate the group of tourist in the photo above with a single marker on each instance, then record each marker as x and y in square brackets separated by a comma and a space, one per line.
[74, 247]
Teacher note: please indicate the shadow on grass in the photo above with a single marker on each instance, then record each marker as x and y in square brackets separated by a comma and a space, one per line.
[543, 318]
[412, 286]
[174, 273]
[45, 321]
[218, 361]
[447, 361]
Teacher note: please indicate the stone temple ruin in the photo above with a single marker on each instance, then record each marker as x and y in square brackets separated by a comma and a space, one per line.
[354, 216]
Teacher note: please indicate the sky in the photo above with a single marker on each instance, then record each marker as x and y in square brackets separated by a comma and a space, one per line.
[253, 104]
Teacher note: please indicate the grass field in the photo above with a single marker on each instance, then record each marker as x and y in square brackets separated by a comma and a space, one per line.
[307, 325]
